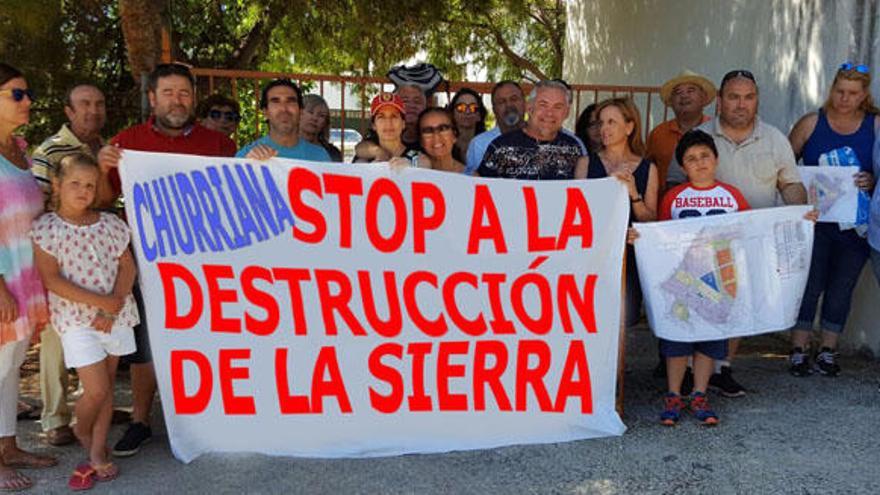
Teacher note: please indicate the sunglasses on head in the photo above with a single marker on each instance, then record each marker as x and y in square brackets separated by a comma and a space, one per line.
[738, 73]
[861, 68]
[467, 108]
[430, 131]
[18, 94]
[230, 116]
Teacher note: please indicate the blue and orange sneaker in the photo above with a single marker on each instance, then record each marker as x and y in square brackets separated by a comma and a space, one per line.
[700, 407]
[672, 406]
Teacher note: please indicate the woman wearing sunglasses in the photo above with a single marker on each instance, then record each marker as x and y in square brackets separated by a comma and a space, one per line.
[437, 135]
[841, 132]
[22, 297]
[219, 113]
[470, 118]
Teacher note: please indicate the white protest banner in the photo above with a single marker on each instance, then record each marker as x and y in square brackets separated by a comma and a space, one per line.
[832, 190]
[724, 276]
[335, 310]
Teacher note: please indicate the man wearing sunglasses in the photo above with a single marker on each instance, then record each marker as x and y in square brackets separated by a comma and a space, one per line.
[757, 159]
[170, 129]
[220, 113]
[86, 114]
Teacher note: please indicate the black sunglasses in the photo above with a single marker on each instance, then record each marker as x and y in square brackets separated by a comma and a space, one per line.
[230, 116]
[738, 73]
[18, 94]
[430, 131]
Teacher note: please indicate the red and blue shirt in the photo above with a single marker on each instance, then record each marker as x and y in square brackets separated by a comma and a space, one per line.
[687, 200]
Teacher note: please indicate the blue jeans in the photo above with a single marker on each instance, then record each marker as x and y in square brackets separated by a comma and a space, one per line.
[838, 259]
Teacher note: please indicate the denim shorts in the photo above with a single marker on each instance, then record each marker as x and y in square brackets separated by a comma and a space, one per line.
[715, 349]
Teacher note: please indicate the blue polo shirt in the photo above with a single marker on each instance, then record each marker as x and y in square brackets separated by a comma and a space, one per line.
[303, 150]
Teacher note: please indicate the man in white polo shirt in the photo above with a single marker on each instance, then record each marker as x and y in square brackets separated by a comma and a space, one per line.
[757, 159]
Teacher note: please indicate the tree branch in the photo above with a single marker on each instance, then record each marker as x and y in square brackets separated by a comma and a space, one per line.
[517, 60]
[253, 46]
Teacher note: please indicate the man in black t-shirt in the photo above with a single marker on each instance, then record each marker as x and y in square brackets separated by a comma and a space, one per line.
[540, 150]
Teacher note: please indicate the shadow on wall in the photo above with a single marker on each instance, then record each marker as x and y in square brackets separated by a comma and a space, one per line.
[792, 47]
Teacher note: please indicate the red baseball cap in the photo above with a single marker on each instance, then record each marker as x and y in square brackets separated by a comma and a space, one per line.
[383, 100]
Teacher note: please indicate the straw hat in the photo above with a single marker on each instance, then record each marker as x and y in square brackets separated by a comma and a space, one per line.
[690, 77]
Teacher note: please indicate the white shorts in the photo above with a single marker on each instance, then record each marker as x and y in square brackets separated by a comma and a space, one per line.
[85, 346]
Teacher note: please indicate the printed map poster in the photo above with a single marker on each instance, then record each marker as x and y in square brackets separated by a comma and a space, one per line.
[724, 276]
[832, 191]
[332, 310]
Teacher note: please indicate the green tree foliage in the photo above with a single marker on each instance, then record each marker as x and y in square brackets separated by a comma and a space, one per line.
[58, 43]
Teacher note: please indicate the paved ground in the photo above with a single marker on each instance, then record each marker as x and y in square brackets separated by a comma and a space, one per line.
[811, 435]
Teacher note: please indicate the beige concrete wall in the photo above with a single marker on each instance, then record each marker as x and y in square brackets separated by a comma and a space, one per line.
[792, 46]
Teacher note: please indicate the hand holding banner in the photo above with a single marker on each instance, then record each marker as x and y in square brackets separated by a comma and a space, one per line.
[298, 308]
[833, 192]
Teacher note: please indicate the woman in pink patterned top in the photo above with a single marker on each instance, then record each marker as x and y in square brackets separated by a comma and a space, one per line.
[22, 297]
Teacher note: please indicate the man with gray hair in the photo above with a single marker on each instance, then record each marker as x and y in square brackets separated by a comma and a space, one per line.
[540, 150]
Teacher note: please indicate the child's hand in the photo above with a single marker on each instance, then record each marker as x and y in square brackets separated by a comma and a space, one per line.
[112, 304]
[103, 324]
[631, 235]
[812, 215]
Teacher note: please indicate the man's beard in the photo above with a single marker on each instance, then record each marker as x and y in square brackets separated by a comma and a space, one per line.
[175, 120]
[511, 118]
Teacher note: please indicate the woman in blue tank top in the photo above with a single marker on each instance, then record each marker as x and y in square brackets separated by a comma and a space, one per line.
[841, 132]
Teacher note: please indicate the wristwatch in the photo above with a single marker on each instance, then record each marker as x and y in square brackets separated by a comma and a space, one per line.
[636, 199]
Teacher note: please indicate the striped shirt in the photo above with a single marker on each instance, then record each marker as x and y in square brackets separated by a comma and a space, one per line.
[22, 203]
[47, 156]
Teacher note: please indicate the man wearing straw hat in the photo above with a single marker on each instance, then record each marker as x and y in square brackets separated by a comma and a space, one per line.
[688, 94]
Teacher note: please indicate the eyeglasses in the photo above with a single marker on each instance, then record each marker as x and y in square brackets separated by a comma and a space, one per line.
[467, 108]
[861, 68]
[230, 116]
[18, 94]
[738, 73]
[437, 129]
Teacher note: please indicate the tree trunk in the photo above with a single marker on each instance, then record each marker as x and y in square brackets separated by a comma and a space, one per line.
[142, 28]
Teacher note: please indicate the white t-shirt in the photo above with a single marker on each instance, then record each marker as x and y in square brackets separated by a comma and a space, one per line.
[88, 256]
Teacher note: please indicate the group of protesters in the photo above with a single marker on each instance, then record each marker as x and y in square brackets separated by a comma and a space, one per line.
[67, 272]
